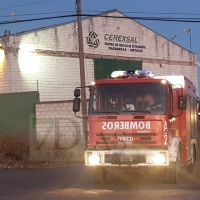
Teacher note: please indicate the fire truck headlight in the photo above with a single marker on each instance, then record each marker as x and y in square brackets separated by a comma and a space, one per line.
[94, 159]
[163, 81]
[93, 83]
[158, 159]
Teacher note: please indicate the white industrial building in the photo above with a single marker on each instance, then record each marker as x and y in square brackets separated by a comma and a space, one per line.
[47, 59]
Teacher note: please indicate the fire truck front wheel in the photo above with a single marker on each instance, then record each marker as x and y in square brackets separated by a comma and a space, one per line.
[99, 175]
[190, 167]
[173, 170]
[172, 173]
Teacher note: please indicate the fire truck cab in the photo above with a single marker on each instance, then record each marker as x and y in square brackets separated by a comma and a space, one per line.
[138, 121]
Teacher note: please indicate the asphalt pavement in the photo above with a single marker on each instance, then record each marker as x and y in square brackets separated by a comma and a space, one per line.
[75, 182]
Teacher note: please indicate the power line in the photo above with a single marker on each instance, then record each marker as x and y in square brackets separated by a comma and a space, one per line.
[154, 13]
[59, 12]
[194, 20]
[90, 11]
[28, 4]
[32, 14]
[37, 19]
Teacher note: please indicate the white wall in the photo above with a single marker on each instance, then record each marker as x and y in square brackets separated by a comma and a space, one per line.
[58, 132]
[56, 77]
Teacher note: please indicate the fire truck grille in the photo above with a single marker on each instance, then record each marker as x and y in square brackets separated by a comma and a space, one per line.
[136, 138]
[126, 134]
[124, 159]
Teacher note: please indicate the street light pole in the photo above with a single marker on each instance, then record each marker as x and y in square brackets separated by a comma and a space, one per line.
[190, 41]
[190, 32]
[82, 71]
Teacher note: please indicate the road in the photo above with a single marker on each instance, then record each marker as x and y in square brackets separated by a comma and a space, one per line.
[75, 182]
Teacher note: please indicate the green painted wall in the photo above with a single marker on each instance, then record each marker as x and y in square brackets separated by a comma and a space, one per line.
[104, 67]
[15, 110]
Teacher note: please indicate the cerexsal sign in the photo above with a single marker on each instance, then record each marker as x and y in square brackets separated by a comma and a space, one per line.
[115, 42]
[120, 38]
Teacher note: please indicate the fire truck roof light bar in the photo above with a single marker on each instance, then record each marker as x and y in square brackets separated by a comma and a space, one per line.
[136, 73]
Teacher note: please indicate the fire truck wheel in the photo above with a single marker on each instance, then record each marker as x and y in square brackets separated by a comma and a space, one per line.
[190, 167]
[99, 175]
[173, 171]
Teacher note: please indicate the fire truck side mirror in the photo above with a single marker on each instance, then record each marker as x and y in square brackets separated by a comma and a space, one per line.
[170, 116]
[77, 92]
[76, 104]
[182, 102]
[199, 112]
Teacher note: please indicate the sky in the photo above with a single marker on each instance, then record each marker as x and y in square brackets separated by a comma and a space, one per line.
[28, 9]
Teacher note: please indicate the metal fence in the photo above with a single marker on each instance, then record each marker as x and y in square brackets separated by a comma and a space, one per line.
[15, 109]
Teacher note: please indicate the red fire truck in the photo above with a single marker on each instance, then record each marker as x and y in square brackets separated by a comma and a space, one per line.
[138, 121]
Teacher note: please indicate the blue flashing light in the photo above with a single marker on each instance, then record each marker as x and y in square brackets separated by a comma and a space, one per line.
[128, 74]
[119, 74]
[144, 73]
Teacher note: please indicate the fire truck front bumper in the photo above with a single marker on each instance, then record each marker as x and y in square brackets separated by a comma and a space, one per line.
[133, 158]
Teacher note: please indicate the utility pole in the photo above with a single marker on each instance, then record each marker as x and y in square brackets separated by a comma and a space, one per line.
[82, 72]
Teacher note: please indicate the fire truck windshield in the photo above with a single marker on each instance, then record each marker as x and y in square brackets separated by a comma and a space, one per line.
[131, 98]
